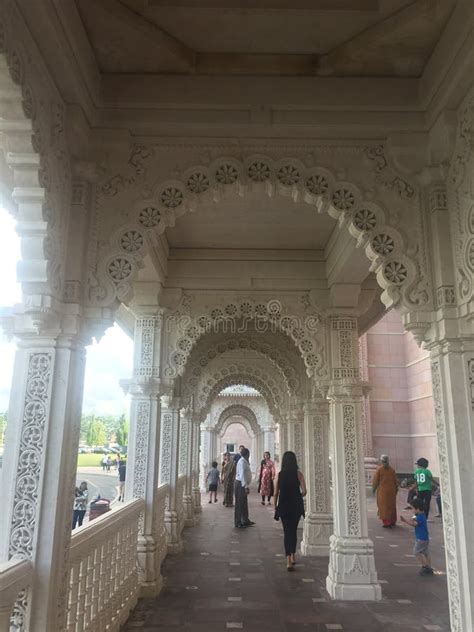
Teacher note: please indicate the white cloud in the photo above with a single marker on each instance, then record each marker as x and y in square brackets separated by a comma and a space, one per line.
[107, 362]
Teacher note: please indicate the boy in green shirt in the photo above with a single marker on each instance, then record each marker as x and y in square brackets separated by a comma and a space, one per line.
[423, 478]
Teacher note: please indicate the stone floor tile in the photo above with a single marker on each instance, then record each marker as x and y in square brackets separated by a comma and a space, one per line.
[197, 594]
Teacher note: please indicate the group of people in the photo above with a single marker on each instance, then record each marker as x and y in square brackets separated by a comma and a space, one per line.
[287, 490]
[385, 485]
[107, 462]
[81, 495]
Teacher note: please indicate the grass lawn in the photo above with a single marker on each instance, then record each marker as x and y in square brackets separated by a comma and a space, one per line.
[89, 460]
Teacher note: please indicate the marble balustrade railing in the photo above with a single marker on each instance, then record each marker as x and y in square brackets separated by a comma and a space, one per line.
[103, 571]
[15, 579]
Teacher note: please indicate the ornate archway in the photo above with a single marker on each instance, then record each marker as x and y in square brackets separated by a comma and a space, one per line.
[237, 411]
[273, 347]
[388, 239]
[240, 374]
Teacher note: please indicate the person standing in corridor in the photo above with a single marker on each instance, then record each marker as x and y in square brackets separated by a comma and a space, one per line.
[81, 495]
[243, 478]
[385, 485]
[227, 479]
[265, 479]
[290, 488]
[424, 478]
[122, 472]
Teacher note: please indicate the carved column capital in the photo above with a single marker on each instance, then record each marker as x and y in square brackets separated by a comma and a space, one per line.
[170, 402]
[340, 392]
[147, 386]
[316, 406]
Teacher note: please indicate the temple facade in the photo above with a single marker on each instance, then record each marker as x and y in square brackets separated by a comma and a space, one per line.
[248, 216]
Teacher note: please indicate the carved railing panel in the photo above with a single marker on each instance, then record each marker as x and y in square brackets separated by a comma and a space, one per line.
[103, 582]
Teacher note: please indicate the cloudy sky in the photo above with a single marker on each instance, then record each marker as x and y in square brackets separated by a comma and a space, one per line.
[107, 362]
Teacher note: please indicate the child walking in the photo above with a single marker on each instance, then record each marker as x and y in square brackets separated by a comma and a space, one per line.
[422, 538]
[213, 481]
[424, 478]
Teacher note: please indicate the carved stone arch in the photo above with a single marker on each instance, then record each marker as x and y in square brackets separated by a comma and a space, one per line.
[237, 411]
[276, 394]
[303, 326]
[284, 358]
[243, 421]
[257, 409]
[226, 376]
[398, 273]
[38, 190]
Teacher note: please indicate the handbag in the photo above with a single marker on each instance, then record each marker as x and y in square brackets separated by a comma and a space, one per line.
[276, 515]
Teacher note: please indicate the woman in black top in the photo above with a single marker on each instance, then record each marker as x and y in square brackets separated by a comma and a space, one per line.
[289, 491]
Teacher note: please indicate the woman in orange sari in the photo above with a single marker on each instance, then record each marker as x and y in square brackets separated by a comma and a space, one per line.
[385, 484]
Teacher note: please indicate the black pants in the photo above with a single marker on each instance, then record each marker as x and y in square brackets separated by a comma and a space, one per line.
[411, 495]
[241, 509]
[426, 498]
[290, 526]
[438, 502]
[78, 517]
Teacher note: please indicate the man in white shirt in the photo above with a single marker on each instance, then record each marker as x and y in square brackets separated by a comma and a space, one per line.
[243, 478]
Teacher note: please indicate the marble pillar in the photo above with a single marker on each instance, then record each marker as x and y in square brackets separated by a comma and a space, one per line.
[169, 470]
[39, 469]
[318, 523]
[452, 370]
[196, 462]
[351, 573]
[186, 465]
[370, 461]
[144, 447]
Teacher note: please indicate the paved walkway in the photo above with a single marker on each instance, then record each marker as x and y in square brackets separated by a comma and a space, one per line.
[237, 579]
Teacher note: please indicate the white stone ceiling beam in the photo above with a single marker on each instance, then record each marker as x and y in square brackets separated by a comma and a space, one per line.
[393, 45]
[164, 52]
[259, 5]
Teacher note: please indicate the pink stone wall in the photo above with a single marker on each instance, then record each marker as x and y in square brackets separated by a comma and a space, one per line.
[401, 404]
[237, 434]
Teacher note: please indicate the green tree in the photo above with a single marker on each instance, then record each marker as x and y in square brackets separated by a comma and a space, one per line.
[121, 431]
[95, 434]
[101, 434]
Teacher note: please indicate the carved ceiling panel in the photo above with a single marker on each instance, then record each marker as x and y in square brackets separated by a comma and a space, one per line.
[336, 38]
